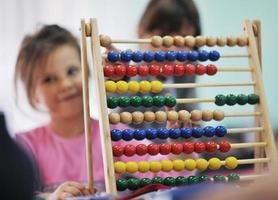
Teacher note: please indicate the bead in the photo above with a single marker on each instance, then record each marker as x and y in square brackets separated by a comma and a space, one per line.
[214, 55]
[121, 184]
[196, 115]
[126, 117]
[105, 41]
[220, 99]
[167, 41]
[151, 133]
[214, 163]
[221, 41]
[120, 167]
[209, 131]
[110, 86]
[112, 102]
[188, 147]
[137, 56]
[129, 150]
[171, 56]
[199, 147]
[124, 101]
[233, 177]
[176, 148]
[141, 149]
[200, 69]
[231, 41]
[149, 116]
[135, 101]
[156, 86]
[116, 135]
[169, 181]
[224, 146]
[133, 183]
[126, 56]
[242, 99]
[139, 134]
[200, 41]
[159, 56]
[181, 180]
[186, 132]
[203, 55]
[207, 115]
[158, 101]
[137, 117]
[131, 70]
[143, 70]
[155, 166]
[170, 101]
[179, 70]
[117, 150]
[193, 56]
[114, 118]
[166, 165]
[165, 149]
[219, 178]
[148, 56]
[203, 178]
[153, 149]
[168, 70]
[147, 101]
[154, 70]
[145, 86]
[181, 56]
[131, 167]
[231, 162]
[162, 133]
[108, 71]
[174, 133]
[143, 166]
[178, 165]
[189, 41]
[133, 86]
[122, 86]
[190, 69]
[197, 132]
[192, 180]
[211, 147]
[179, 41]
[189, 164]
[220, 131]
[253, 99]
[184, 115]
[145, 181]
[156, 41]
[242, 41]
[120, 70]
[201, 164]
[211, 41]
[127, 134]
[113, 56]
[158, 180]
[218, 115]
[231, 99]
[172, 116]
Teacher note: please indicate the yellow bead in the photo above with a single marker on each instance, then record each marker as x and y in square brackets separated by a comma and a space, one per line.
[122, 86]
[110, 86]
[202, 164]
[143, 166]
[120, 167]
[133, 86]
[189, 164]
[156, 86]
[214, 163]
[231, 162]
[145, 86]
[131, 167]
[178, 165]
[167, 165]
[155, 166]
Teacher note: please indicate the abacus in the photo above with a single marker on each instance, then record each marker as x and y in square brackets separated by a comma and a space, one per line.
[150, 63]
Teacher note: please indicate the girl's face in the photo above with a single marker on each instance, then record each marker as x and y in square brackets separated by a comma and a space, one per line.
[59, 85]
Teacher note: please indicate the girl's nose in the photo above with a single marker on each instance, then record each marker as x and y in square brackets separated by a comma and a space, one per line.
[66, 84]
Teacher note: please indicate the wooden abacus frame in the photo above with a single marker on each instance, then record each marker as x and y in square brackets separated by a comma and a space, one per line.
[264, 141]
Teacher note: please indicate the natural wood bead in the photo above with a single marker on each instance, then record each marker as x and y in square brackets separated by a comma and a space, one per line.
[207, 115]
[149, 116]
[218, 115]
[189, 41]
[231, 41]
[156, 41]
[172, 116]
[211, 41]
[184, 116]
[137, 117]
[242, 41]
[200, 41]
[179, 41]
[221, 41]
[167, 41]
[196, 115]
[105, 41]
[126, 117]
[114, 118]
[160, 116]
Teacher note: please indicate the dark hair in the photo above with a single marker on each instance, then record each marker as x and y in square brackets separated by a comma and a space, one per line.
[34, 52]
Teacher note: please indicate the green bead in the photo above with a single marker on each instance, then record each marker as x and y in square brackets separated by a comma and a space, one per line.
[192, 180]
[203, 178]
[147, 101]
[170, 101]
[218, 178]
[220, 99]
[157, 180]
[169, 181]
[231, 99]
[233, 177]
[133, 183]
[145, 181]
[135, 101]
[124, 101]
[112, 102]
[241, 99]
[253, 99]
[180, 180]
[158, 101]
[121, 184]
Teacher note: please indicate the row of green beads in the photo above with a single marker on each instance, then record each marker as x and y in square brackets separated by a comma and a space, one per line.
[136, 101]
[134, 183]
[240, 99]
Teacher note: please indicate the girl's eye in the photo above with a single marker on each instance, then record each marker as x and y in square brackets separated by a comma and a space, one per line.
[72, 71]
[48, 79]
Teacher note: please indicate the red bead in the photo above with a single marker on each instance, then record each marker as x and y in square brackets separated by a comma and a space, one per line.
[153, 149]
[199, 147]
[129, 150]
[131, 70]
[141, 149]
[108, 71]
[168, 70]
[154, 70]
[176, 148]
[190, 69]
[211, 146]
[188, 147]
[120, 70]
[143, 70]
[117, 150]
[224, 146]
[200, 69]
[165, 149]
[211, 70]
[179, 70]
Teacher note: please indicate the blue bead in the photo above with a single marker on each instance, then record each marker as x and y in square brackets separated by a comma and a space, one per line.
[171, 55]
[186, 132]
[214, 55]
[203, 55]
[197, 132]
[151, 133]
[127, 134]
[174, 133]
[182, 56]
[116, 134]
[113, 56]
[126, 56]
[159, 56]
[209, 131]
[220, 131]
[137, 56]
[193, 56]
[139, 134]
[162, 133]
[148, 56]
